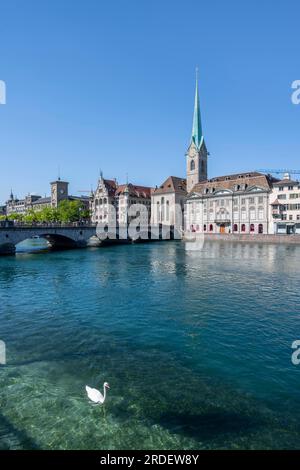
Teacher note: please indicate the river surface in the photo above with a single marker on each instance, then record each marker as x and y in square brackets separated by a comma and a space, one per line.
[196, 347]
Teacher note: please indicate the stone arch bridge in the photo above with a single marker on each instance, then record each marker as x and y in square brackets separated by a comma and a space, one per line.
[59, 236]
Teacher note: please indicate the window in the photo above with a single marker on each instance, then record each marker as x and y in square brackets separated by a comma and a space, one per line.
[291, 217]
[192, 166]
[260, 213]
[243, 228]
[204, 228]
[168, 212]
[252, 228]
[260, 200]
[157, 212]
[211, 228]
[236, 215]
[260, 228]
[235, 228]
[252, 213]
[280, 188]
[291, 188]
[243, 214]
[162, 209]
[282, 196]
[243, 201]
[251, 200]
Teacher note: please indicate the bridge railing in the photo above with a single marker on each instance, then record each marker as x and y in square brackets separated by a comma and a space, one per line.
[9, 224]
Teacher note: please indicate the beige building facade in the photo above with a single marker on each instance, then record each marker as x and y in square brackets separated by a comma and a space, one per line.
[112, 203]
[230, 204]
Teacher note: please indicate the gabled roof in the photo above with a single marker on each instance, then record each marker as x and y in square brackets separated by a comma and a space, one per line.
[111, 186]
[173, 184]
[134, 190]
[235, 183]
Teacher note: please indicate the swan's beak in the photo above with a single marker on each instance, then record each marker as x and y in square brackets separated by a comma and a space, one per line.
[107, 386]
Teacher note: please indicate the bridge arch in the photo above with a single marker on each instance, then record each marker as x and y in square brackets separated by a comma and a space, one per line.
[59, 237]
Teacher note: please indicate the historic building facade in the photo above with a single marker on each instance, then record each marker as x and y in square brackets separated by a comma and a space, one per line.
[167, 204]
[59, 192]
[230, 204]
[284, 210]
[112, 203]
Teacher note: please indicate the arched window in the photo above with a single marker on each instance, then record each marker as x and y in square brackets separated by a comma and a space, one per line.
[162, 209]
[96, 202]
[192, 165]
[100, 202]
[211, 228]
[260, 228]
[243, 228]
[104, 200]
[157, 212]
[204, 228]
[235, 228]
[252, 228]
[168, 211]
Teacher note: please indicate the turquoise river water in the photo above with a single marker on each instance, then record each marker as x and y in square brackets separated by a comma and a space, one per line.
[196, 346]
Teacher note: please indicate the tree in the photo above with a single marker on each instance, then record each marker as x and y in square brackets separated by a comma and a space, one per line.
[16, 217]
[72, 211]
[47, 214]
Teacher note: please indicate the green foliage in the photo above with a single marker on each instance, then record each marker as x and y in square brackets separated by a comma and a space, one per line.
[67, 211]
[72, 211]
[17, 217]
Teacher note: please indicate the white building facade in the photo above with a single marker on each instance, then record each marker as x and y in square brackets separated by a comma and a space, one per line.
[284, 209]
[237, 204]
[167, 203]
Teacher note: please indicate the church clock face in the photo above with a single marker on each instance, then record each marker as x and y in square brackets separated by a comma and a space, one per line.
[62, 191]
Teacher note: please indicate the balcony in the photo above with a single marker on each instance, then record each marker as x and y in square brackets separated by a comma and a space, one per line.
[222, 221]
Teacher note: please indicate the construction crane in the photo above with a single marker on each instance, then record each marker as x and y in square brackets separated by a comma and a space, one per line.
[280, 172]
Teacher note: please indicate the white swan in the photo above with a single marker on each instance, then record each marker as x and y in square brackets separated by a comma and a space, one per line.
[96, 396]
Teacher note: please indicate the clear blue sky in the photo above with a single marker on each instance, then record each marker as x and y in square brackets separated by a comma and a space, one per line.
[110, 84]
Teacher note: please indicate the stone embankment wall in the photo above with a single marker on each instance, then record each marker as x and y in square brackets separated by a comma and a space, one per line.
[281, 239]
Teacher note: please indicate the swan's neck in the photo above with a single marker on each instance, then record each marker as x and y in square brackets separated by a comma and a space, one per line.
[104, 393]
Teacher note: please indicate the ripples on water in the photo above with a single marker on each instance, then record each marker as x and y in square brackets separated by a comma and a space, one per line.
[195, 345]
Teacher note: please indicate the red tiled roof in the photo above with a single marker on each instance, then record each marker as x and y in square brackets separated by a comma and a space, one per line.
[171, 185]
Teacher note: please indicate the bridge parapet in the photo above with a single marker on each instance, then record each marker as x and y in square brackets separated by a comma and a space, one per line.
[60, 236]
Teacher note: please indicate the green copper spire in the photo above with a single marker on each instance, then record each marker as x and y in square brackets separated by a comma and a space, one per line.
[197, 136]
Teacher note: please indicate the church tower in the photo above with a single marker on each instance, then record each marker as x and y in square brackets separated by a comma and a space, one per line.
[196, 156]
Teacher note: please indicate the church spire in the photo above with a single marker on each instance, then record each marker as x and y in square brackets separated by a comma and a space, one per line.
[197, 136]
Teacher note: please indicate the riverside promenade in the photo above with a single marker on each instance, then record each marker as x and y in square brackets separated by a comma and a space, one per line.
[245, 238]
